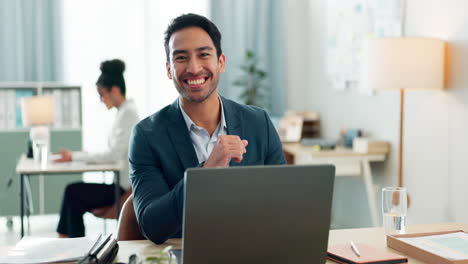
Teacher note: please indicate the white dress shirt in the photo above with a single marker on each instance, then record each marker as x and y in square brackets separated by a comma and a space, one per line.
[117, 143]
[201, 139]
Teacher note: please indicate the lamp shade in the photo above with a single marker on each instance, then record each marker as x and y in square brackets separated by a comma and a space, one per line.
[37, 110]
[403, 63]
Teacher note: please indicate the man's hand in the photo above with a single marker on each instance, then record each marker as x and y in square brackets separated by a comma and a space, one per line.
[65, 154]
[227, 147]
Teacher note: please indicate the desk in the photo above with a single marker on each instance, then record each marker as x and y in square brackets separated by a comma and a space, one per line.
[347, 163]
[374, 236]
[27, 167]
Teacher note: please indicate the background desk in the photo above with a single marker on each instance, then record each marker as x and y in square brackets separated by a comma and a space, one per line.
[372, 236]
[27, 167]
[347, 163]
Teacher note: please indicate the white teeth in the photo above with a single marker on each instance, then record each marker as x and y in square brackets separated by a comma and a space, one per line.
[195, 82]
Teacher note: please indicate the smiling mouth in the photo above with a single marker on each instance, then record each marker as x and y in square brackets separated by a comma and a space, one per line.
[198, 81]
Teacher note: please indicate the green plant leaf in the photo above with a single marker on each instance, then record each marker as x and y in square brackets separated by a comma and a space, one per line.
[262, 74]
[254, 92]
[240, 83]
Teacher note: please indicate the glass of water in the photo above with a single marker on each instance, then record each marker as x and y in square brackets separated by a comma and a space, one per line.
[394, 207]
[41, 152]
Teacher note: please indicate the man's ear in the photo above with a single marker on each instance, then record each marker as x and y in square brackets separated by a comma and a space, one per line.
[168, 68]
[222, 62]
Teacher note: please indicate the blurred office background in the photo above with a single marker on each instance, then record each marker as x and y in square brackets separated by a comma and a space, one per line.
[65, 41]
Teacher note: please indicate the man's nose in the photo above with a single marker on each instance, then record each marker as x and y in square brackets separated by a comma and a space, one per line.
[194, 66]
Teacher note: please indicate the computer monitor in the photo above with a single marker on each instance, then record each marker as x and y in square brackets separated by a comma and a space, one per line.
[257, 214]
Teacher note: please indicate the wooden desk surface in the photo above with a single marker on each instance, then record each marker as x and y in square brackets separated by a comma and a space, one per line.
[372, 236]
[143, 248]
[298, 148]
[28, 166]
[376, 238]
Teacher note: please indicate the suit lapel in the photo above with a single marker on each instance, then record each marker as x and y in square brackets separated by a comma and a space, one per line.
[233, 122]
[180, 137]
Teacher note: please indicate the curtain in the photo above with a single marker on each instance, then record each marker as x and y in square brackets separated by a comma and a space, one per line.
[30, 40]
[259, 26]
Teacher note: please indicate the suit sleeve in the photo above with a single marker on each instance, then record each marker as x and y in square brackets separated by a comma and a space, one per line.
[275, 155]
[157, 207]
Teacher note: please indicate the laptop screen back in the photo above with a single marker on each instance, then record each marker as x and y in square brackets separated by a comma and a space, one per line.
[257, 214]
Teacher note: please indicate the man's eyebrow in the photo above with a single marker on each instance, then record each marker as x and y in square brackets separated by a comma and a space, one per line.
[204, 48]
[175, 52]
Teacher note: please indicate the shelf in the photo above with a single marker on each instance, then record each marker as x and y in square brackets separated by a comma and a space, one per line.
[51, 130]
[36, 85]
[67, 104]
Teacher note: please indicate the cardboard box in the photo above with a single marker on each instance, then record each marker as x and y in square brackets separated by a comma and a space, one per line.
[418, 253]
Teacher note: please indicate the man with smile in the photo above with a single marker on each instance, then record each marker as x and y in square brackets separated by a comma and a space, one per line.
[200, 129]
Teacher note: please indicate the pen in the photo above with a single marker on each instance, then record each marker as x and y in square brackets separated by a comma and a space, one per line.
[355, 249]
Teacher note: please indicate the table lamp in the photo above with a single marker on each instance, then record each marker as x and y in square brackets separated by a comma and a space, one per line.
[38, 112]
[403, 63]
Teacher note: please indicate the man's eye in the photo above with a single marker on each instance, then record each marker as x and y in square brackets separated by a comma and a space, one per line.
[204, 54]
[179, 58]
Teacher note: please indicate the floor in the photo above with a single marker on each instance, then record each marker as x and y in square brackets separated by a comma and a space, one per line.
[45, 225]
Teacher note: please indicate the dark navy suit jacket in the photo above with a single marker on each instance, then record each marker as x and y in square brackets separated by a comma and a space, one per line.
[161, 150]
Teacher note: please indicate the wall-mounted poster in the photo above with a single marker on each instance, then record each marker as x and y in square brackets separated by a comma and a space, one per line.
[348, 23]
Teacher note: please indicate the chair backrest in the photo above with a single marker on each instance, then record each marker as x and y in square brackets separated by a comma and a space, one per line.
[127, 228]
[109, 212]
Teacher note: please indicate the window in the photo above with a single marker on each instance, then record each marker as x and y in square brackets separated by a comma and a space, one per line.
[131, 30]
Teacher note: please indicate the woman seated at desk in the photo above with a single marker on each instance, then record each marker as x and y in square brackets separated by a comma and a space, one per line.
[83, 197]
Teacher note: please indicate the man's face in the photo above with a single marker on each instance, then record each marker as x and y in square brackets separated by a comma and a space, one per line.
[193, 64]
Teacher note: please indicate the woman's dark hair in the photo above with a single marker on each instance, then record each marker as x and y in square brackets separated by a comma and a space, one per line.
[193, 20]
[112, 75]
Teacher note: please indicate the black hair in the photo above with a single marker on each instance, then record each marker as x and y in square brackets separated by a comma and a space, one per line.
[193, 20]
[112, 75]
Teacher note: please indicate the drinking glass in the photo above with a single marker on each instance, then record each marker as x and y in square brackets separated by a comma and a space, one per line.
[394, 207]
[41, 152]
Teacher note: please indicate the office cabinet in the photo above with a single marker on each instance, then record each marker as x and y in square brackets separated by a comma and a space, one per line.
[65, 133]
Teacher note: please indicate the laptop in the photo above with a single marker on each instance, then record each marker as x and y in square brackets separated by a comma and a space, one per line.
[257, 214]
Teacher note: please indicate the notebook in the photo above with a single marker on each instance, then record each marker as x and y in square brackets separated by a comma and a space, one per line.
[342, 253]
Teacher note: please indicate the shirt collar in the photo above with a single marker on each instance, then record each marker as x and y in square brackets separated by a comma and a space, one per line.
[189, 123]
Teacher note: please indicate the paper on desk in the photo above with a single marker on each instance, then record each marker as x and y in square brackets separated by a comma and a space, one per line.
[48, 250]
[453, 246]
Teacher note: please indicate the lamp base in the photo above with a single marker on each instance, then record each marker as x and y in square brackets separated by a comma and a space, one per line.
[39, 136]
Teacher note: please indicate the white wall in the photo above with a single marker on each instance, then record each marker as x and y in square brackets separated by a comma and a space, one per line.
[435, 128]
[437, 149]
[297, 46]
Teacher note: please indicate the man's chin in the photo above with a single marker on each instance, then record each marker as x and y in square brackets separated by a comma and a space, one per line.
[198, 98]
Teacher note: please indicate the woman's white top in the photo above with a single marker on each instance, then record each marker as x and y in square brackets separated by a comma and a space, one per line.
[117, 143]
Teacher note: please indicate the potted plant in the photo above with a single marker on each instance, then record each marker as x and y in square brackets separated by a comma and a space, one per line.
[252, 81]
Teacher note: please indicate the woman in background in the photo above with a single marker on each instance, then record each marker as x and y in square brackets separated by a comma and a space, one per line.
[82, 197]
